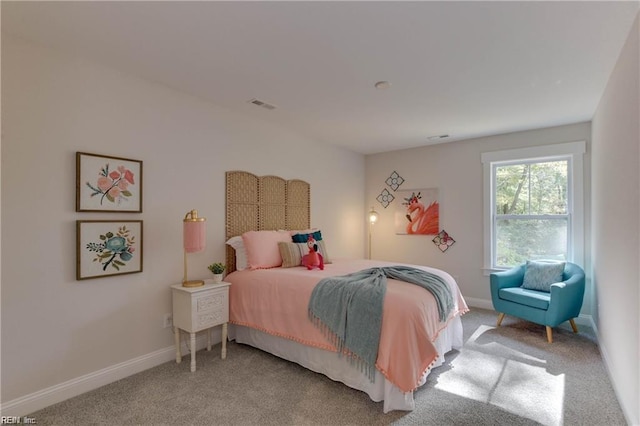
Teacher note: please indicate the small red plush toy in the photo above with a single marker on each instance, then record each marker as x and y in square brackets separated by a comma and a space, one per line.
[313, 259]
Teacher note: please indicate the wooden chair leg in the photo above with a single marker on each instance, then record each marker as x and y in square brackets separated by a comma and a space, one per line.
[573, 325]
[549, 334]
[500, 318]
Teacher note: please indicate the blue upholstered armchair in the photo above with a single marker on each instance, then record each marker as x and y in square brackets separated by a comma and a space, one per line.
[529, 298]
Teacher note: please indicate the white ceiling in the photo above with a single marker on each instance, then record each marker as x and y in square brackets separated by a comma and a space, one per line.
[465, 69]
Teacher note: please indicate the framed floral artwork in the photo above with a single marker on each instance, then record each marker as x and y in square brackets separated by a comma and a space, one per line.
[105, 248]
[108, 184]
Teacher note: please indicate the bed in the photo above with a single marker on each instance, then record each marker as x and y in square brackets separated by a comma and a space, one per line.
[269, 305]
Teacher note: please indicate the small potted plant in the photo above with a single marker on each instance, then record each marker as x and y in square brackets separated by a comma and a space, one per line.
[217, 269]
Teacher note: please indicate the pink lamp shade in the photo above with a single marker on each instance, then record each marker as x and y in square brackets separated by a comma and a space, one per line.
[194, 231]
[194, 236]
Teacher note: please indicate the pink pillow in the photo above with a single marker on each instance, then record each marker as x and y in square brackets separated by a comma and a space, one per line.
[262, 248]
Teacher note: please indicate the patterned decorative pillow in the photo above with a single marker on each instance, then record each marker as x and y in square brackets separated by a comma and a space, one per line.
[322, 249]
[301, 240]
[540, 275]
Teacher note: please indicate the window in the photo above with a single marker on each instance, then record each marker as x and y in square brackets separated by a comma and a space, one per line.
[533, 204]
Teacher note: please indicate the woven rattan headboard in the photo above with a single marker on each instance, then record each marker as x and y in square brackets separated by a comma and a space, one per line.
[257, 203]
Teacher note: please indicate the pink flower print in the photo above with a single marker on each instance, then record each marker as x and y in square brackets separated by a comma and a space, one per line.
[114, 185]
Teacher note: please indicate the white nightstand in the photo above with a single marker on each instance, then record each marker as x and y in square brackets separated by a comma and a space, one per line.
[200, 308]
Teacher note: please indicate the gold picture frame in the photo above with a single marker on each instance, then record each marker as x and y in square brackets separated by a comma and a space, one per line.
[108, 184]
[106, 248]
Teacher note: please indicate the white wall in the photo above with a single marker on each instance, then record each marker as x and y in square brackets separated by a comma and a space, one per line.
[455, 169]
[54, 328]
[616, 227]
[612, 215]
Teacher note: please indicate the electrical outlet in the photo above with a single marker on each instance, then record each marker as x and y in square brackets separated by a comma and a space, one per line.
[167, 321]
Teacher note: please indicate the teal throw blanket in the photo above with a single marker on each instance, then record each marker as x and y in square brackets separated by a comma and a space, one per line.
[348, 308]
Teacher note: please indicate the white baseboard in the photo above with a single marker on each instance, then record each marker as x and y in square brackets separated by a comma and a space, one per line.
[587, 320]
[52, 395]
[479, 303]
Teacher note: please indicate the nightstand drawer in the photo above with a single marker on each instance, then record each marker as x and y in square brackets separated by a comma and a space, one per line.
[211, 318]
[210, 302]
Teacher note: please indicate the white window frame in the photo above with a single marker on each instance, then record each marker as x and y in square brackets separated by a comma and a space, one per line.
[572, 151]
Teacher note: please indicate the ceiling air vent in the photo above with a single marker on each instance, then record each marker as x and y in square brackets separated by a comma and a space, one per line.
[438, 137]
[262, 104]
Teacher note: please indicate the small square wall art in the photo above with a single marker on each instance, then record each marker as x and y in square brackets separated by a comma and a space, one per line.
[385, 198]
[394, 181]
[443, 241]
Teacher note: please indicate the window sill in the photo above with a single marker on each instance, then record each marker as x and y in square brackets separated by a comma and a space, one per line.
[486, 271]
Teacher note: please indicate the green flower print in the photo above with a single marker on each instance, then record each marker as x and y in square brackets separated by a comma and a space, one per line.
[115, 250]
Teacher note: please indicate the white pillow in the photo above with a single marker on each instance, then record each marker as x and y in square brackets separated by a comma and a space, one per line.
[241, 253]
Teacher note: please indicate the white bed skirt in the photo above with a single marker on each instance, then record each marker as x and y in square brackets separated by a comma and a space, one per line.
[339, 369]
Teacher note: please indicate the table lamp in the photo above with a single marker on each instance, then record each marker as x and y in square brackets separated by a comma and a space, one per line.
[194, 241]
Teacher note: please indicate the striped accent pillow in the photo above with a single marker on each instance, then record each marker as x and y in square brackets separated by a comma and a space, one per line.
[290, 253]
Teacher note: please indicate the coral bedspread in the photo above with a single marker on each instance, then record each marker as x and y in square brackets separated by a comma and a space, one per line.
[275, 301]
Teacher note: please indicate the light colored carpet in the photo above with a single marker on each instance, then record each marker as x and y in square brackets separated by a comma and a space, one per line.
[502, 376]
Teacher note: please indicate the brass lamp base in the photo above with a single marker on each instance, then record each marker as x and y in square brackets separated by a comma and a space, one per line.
[192, 283]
